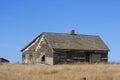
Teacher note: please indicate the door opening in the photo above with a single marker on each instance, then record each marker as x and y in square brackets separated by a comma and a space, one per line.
[43, 58]
[87, 57]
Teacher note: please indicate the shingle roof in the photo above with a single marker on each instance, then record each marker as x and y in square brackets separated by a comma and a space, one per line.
[77, 41]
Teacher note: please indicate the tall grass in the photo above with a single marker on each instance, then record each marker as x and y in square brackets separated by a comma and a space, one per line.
[60, 72]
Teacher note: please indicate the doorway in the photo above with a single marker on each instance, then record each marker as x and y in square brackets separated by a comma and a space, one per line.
[43, 58]
[88, 56]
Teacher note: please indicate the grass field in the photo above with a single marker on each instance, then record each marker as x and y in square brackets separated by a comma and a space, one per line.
[59, 72]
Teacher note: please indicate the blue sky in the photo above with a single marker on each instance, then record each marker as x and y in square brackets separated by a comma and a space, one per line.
[22, 20]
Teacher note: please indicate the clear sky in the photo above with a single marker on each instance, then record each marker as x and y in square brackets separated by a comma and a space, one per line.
[22, 20]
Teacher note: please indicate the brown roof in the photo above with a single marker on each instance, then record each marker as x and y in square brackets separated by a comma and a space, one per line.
[76, 41]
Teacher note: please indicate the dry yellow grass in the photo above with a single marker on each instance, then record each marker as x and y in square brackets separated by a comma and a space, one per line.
[59, 72]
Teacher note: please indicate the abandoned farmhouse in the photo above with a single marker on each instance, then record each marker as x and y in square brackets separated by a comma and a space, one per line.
[58, 48]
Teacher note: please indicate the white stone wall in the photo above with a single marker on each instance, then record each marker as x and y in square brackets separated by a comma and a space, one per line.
[49, 60]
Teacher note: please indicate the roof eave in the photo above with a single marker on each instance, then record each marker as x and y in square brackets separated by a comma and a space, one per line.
[31, 42]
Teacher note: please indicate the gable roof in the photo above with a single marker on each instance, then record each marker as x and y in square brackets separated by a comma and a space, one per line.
[76, 41]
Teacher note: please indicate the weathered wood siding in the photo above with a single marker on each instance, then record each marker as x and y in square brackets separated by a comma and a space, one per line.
[95, 58]
[72, 56]
[68, 56]
[103, 55]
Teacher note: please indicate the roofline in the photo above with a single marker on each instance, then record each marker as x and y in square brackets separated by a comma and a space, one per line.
[31, 42]
[104, 43]
[69, 34]
[80, 49]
